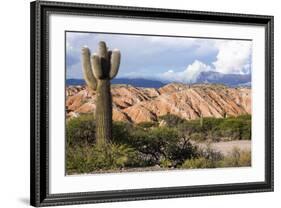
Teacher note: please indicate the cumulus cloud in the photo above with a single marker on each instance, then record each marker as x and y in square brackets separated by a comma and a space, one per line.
[233, 57]
[163, 58]
[142, 54]
[189, 75]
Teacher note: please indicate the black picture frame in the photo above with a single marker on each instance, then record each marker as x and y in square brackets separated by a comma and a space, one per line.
[39, 187]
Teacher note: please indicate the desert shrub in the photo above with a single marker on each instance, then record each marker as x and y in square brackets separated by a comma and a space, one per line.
[246, 130]
[213, 129]
[165, 163]
[172, 120]
[210, 124]
[79, 159]
[188, 128]
[162, 143]
[200, 162]
[86, 159]
[237, 158]
[147, 124]
[209, 158]
[113, 156]
[197, 136]
[245, 117]
[181, 151]
[211, 154]
[245, 158]
[80, 130]
[237, 128]
[147, 144]
[121, 132]
[152, 142]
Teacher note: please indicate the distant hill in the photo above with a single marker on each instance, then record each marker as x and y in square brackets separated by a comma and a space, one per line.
[231, 80]
[134, 82]
[75, 82]
[211, 77]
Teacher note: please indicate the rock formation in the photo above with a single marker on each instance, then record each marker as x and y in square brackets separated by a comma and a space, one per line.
[138, 105]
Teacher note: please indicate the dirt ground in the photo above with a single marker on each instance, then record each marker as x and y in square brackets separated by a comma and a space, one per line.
[226, 147]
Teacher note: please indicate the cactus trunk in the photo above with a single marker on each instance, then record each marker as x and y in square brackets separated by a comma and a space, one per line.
[201, 120]
[103, 112]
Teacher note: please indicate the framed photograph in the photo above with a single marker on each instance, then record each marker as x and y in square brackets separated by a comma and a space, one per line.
[131, 103]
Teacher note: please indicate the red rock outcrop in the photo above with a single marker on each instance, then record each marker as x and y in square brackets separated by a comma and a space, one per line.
[147, 104]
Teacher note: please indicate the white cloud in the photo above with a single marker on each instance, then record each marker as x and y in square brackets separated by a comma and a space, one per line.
[233, 57]
[189, 75]
[165, 58]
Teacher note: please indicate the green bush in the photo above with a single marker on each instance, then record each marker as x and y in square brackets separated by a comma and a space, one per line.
[147, 144]
[165, 163]
[207, 158]
[121, 132]
[151, 146]
[113, 156]
[153, 142]
[162, 143]
[215, 129]
[200, 162]
[81, 130]
[237, 128]
[79, 159]
[197, 136]
[86, 159]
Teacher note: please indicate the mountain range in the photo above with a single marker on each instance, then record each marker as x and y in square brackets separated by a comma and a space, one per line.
[231, 80]
[126, 81]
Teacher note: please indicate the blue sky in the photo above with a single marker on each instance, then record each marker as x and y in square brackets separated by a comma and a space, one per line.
[163, 58]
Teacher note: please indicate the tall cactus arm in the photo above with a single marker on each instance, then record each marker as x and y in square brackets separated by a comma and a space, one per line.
[114, 63]
[87, 69]
[102, 51]
[97, 67]
[109, 53]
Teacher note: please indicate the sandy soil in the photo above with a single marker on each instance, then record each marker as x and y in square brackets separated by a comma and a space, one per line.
[226, 147]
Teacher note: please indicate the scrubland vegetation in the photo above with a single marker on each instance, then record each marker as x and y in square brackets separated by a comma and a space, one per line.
[166, 144]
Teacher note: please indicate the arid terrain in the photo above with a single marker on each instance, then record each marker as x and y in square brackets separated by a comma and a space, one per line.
[189, 102]
[174, 126]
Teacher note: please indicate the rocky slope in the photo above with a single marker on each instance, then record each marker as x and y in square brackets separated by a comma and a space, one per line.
[147, 104]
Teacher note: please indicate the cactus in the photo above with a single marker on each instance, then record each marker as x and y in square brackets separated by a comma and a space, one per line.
[87, 69]
[98, 71]
[201, 120]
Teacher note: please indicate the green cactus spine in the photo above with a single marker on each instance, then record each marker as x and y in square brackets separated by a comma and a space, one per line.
[104, 67]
